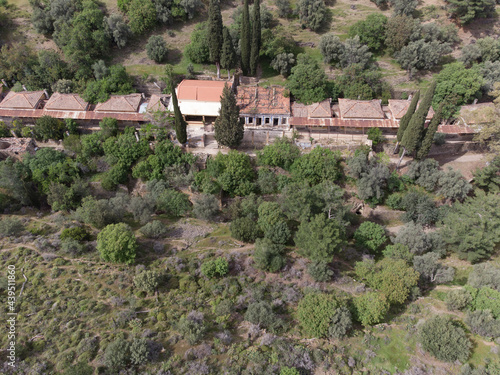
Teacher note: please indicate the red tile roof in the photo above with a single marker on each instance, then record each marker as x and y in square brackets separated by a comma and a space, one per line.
[480, 113]
[66, 102]
[398, 108]
[316, 110]
[158, 102]
[120, 103]
[22, 100]
[361, 109]
[262, 100]
[205, 91]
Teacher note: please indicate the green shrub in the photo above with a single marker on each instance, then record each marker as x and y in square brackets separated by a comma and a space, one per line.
[215, 267]
[370, 235]
[320, 271]
[11, 226]
[116, 243]
[155, 229]
[315, 312]
[371, 308]
[268, 256]
[206, 207]
[375, 135]
[192, 327]
[79, 234]
[262, 314]
[147, 281]
[458, 299]
[245, 229]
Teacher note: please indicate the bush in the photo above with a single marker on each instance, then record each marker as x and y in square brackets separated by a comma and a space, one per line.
[482, 322]
[206, 207]
[414, 238]
[117, 354]
[192, 327]
[398, 251]
[267, 181]
[272, 222]
[155, 229]
[156, 48]
[215, 267]
[370, 235]
[321, 164]
[245, 229]
[419, 207]
[47, 127]
[10, 226]
[445, 339]
[281, 153]
[116, 243]
[73, 247]
[268, 256]
[485, 274]
[262, 314]
[453, 186]
[458, 299]
[79, 234]
[139, 351]
[289, 370]
[315, 312]
[375, 135]
[320, 271]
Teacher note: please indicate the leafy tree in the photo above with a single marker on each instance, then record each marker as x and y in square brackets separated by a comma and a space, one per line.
[321, 164]
[228, 56]
[156, 48]
[267, 181]
[467, 10]
[320, 271]
[404, 7]
[139, 351]
[371, 185]
[431, 270]
[62, 197]
[79, 234]
[233, 172]
[109, 128]
[256, 38]
[371, 31]
[312, 13]
[281, 153]
[116, 243]
[262, 314]
[191, 7]
[229, 130]
[283, 63]
[421, 55]
[117, 354]
[284, 8]
[445, 339]
[320, 238]
[272, 222]
[354, 52]
[197, 51]
[117, 81]
[485, 274]
[482, 322]
[142, 16]
[215, 34]
[419, 207]
[289, 371]
[413, 236]
[398, 32]
[453, 94]
[268, 256]
[375, 135]
[315, 312]
[398, 251]
[472, 228]
[155, 229]
[491, 74]
[392, 277]
[489, 133]
[245, 229]
[180, 123]
[147, 281]
[425, 173]
[245, 41]
[453, 186]
[307, 81]
[371, 308]
[4, 130]
[124, 149]
[405, 120]
[370, 235]
[215, 267]
[10, 226]
[331, 48]
[485, 299]
[47, 127]
[206, 207]
[118, 30]
[488, 178]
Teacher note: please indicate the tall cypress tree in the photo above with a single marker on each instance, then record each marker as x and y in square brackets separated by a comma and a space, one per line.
[215, 37]
[405, 120]
[256, 38]
[245, 39]
[415, 130]
[180, 124]
[428, 140]
[228, 55]
[229, 129]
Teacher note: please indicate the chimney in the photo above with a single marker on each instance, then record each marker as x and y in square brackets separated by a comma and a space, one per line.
[46, 94]
[475, 101]
[4, 83]
[410, 97]
[24, 88]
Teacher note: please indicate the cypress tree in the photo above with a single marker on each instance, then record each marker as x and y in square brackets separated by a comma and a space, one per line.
[245, 39]
[415, 130]
[215, 38]
[256, 38]
[228, 55]
[229, 126]
[180, 124]
[425, 147]
[405, 120]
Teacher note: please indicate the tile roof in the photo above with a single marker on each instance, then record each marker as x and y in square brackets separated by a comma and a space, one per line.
[361, 109]
[22, 100]
[399, 107]
[481, 113]
[158, 102]
[205, 91]
[120, 103]
[455, 129]
[316, 110]
[66, 102]
[262, 100]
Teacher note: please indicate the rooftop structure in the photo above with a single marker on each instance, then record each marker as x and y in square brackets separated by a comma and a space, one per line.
[361, 109]
[398, 109]
[262, 100]
[316, 110]
[120, 103]
[476, 114]
[199, 99]
[23, 100]
[158, 103]
[66, 102]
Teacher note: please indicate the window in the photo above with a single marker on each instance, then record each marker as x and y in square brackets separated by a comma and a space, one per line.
[259, 120]
[276, 121]
[267, 120]
[283, 120]
[249, 120]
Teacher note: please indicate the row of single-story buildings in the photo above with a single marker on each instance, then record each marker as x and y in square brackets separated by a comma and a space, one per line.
[199, 102]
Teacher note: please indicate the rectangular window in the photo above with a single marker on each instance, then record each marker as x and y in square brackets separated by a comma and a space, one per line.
[250, 120]
[283, 121]
[267, 120]
[276, 121]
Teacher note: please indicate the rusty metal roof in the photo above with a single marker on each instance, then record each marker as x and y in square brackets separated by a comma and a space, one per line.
[335, 121]
[455, 129]
[77, 115]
